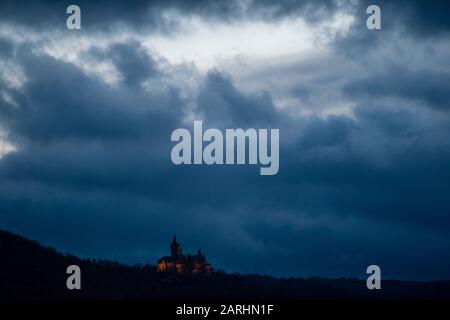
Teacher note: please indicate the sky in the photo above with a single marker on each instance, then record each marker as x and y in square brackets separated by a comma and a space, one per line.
[364, 117]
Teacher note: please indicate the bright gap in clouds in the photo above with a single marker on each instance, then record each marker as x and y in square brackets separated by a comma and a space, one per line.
[208, 44]
[5, 146]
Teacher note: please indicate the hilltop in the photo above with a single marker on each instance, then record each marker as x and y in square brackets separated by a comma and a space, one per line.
[29, 270]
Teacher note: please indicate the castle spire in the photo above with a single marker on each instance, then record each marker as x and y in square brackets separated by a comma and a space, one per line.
[175, 248]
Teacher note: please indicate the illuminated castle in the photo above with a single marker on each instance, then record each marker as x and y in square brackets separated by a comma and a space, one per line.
[181, 263]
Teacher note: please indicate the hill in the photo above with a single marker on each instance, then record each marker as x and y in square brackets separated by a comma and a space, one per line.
[31, 271]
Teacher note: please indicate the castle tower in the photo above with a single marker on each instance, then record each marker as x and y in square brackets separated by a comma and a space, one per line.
[200, 256]
[175, 249]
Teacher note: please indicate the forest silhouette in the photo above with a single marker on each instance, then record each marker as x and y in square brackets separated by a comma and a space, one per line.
[29, 270]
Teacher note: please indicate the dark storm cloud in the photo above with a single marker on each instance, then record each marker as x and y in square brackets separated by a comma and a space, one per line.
[131, 60]
[86, 148]
[311, 11]
[43, 13]
[221, 103]
[92, 186]
[425, 86]
[419, 17]
[402, 19]
[54, 87]
[134, 63]
[147, 14]
[427, 17]
[6, 47]
[379, 166]
[92, 174]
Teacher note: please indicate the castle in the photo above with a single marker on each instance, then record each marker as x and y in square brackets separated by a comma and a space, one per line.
[181, 263]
